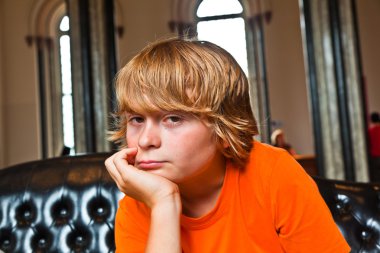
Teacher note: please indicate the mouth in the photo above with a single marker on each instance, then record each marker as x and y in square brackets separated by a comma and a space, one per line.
[150, 164]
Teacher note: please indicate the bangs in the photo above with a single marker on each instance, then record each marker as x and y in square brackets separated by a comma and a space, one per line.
[153, 81]
[147, 96]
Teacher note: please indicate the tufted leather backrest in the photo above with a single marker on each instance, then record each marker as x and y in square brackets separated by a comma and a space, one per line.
[65, 204]
[356, 210]
[68, 204]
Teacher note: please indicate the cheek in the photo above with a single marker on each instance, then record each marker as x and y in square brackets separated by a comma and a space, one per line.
[131, 139]
[198, 145]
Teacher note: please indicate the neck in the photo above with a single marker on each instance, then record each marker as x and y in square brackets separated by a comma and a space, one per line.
[200, 194]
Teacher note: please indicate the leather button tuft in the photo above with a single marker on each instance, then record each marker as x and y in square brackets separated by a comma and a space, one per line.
[79, 239]
[42, 243]
[25, 214]
[42, 239]
[99, 209]
[62, 211]
[342, 205]
[366, 235]
[7, 240]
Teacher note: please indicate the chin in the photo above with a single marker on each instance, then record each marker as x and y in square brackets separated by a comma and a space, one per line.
[160, 173]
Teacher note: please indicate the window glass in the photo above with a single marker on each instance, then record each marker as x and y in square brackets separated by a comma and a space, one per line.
[227, 32]
[218, 7]
[67, 96]
[64, 26]
[64, 43]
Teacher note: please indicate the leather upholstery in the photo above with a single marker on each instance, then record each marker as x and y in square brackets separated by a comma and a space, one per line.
[356, 210]
[65, 204]
[68, 204]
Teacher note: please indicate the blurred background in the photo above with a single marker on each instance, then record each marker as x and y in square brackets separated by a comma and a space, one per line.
[312, 66]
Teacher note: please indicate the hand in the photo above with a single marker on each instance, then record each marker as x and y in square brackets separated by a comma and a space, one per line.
[143, 186]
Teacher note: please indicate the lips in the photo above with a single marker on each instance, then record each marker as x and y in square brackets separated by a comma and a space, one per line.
[149, 164]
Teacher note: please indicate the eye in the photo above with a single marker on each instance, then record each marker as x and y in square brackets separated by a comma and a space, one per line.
[173, 119]
[135, 119]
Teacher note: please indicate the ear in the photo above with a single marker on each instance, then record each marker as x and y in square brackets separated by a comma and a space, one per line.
[226, 144]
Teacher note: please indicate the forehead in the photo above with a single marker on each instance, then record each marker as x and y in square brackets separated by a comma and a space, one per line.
[148, 104]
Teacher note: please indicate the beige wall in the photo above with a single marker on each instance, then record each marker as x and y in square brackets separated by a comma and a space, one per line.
[21, 141]
[140, 28]
[286, 75]
[2, 148]
[369, 32]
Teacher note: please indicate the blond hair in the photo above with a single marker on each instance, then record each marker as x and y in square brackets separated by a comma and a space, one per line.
[197, 77]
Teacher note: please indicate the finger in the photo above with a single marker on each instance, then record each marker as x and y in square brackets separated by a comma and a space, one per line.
[119, 173]
[128, 175]
[127, 154]
[112, 170]
[124, 158]
[116, 163]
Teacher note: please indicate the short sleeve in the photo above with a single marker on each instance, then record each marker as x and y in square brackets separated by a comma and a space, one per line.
[131, 227]
[302, 219]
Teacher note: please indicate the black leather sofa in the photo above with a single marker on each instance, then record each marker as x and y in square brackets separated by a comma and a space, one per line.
[68, 204]
[356, 210]
[65, 204]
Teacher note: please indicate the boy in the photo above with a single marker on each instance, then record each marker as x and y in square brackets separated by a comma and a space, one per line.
[194, 179]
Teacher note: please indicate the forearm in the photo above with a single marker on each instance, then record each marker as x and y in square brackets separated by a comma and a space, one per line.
[158, 193]
[164, 233]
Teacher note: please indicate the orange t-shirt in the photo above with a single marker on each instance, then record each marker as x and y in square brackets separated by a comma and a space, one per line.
[270, 206]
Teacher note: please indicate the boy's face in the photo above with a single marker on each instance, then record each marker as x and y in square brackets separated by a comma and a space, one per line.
[174, 145]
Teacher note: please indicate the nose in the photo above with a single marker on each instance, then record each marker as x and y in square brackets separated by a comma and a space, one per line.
[149, 136]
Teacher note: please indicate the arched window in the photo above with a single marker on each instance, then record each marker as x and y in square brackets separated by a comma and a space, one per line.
[66, 85]
[74, 118]
[47, 25]
[222, 22]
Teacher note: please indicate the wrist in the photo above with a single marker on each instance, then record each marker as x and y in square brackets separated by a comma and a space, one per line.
[169, 204]
[164, 233]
